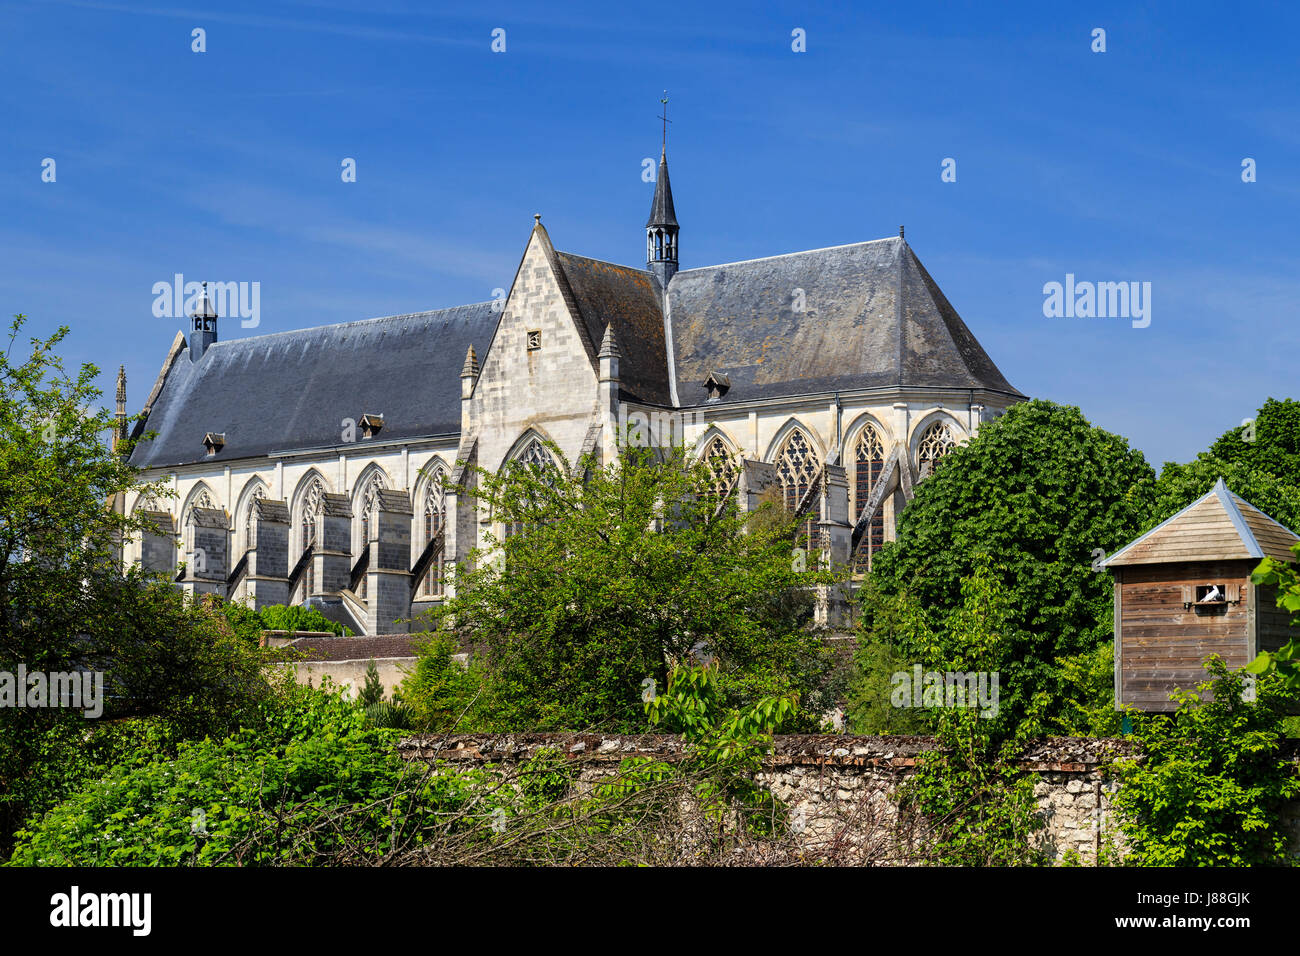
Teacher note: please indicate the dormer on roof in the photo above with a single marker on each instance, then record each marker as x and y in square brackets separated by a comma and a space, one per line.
[371, 424]
[717, 384]
[214, 442]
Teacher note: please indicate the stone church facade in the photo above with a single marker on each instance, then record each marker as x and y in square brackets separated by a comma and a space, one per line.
[320, 465]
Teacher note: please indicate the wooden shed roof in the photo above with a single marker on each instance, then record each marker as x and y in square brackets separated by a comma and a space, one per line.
[1218, 526]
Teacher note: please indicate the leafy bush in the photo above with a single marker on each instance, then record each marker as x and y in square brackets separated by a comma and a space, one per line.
[297, 617]
[727, 744]
[311, 781]
[442, 694]
[1212, 780]
[977, 806]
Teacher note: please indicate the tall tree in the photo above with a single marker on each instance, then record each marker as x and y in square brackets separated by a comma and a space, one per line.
[1041, 494]
[1259, 461]
[609, 576]
[67, 607]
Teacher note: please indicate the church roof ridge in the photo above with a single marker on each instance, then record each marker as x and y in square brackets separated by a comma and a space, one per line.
[735, 262]
[352, 324]
[604, 262]
[799, 252]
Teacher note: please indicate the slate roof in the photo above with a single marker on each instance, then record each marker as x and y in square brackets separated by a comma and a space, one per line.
[1218, 526]
[604, 292]
[873, 318]
[292, 390]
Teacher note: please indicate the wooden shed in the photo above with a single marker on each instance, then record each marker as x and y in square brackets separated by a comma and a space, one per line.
[1183, 593]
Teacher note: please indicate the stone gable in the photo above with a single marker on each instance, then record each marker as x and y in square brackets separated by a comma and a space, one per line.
[551, 388]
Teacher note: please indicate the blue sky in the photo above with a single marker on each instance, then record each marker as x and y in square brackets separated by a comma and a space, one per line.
[1115, 166]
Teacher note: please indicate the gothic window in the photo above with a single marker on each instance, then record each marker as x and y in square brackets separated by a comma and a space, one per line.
[312, 502]
[535, 454]
[435, 515]
[722, 466]
[311, 508]
[535, 457]
[796, 468]
[369, 502]
[935, 444]
[868, 465]
[368, 505]
[250, 526]
[202, 500]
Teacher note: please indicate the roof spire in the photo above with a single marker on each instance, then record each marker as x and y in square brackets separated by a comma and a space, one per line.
[661, 228]
[470, 368]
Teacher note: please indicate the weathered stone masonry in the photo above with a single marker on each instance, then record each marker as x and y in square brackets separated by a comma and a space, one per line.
[826, 775]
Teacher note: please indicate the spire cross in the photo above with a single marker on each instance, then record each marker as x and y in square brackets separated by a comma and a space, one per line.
[665, 118]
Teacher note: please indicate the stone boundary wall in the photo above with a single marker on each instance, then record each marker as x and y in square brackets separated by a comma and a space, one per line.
[830, 779]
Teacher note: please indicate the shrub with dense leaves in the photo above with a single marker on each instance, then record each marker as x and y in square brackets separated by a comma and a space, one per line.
[311, 782]
[1212, 779]
[1037, 495]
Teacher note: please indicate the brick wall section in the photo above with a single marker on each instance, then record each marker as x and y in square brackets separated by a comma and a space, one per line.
[355, 648]
[825, 775]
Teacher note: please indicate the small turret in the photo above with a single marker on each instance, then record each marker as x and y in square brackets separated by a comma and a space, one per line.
[203, 327]
[661, 228]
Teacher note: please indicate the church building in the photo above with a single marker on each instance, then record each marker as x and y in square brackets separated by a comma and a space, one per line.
[320, 465]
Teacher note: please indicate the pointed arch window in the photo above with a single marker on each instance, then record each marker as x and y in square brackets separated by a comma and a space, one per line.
[796, 469]
[435, 516]
[369, 504]
[935, 445]
[311, 509]
[722, 466]
[250, 526]
[312, 503]
[535, 456]
[868, 466]
[201, 500]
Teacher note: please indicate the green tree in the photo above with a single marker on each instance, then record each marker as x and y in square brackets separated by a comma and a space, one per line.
[1259, 461]
[615, 574]
[67, 606]
[1041, 494]
[977, 805]
[372, 691]
[441, 694]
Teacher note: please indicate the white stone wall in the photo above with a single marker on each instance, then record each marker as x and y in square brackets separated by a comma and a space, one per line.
[552, 392]
[231, 486]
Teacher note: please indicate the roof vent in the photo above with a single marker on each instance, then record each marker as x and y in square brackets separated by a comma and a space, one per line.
[717, 384]
[371, 425]
[214, 442]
